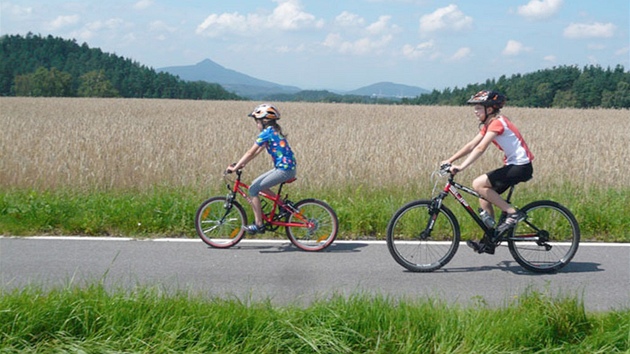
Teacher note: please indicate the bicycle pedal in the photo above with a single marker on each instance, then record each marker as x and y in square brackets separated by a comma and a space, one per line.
[480, 247]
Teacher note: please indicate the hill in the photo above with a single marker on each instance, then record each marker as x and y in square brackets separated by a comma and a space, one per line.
[250, 87]
[389, 90]
[54, 67]
[239, 83]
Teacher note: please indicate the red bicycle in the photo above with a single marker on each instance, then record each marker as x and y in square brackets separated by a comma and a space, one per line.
[310, 224]
[424, 235]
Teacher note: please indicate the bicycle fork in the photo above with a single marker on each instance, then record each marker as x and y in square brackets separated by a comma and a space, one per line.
[434, 211]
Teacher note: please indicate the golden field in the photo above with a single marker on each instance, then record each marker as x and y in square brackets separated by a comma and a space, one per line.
[49, 143]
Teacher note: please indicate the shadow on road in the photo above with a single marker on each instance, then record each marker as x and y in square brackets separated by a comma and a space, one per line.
[289, 247]
[513, 267]
[334, 248]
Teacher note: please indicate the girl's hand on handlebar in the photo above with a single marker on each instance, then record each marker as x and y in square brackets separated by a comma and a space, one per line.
[231, 168]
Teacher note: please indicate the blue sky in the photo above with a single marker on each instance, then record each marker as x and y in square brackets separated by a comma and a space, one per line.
[342, 45]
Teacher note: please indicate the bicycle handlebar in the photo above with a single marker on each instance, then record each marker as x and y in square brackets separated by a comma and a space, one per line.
[227, 172]
[445, 169]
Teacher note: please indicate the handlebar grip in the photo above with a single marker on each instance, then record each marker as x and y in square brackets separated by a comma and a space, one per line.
[227, 172]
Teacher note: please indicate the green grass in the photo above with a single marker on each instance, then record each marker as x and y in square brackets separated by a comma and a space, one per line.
[148, 320]
[603, 215]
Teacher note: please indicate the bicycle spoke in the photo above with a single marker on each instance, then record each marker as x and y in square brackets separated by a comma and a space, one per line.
[547, 240]
[319, 225]
[225, 225]
[417, 247]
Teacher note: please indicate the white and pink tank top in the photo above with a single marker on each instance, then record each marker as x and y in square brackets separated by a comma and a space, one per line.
[510, 141]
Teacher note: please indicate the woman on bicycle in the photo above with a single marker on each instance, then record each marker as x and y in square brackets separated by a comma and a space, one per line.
[274, 141]
[497, 129]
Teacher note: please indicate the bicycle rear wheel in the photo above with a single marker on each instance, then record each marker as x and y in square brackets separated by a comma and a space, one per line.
[547, 240]
[220, 225]
[416, 247]
[319, 225]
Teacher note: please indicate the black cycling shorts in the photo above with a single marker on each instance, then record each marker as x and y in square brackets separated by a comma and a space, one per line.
[509, 175]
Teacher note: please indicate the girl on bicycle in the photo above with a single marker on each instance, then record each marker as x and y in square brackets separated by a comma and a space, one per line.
[497, 129]
[274, 141]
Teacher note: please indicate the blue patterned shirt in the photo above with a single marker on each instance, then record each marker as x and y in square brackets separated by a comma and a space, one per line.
[278, 147]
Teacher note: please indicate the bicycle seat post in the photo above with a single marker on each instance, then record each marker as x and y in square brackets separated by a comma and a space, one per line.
[509, 196]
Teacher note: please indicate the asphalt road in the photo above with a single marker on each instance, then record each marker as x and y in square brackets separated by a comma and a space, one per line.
[277, 271]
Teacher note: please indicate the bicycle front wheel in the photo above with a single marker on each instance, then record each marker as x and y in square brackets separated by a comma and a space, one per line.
[220, 225]
[547, 240]
[316, 225]
[415, 243]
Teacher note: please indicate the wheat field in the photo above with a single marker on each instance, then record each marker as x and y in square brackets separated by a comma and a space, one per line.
[50, 143]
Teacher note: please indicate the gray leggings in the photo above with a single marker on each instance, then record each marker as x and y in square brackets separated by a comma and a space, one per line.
[270, 179]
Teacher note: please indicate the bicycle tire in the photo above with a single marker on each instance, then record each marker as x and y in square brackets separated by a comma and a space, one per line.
[324, 230]
[411, 247]
[547, 240]
[215, 227]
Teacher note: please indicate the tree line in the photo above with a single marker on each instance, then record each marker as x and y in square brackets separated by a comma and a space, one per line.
[33, 65]
[559, 87]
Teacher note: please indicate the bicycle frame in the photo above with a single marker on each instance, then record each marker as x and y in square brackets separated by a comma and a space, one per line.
[453, 188]
[270, 218]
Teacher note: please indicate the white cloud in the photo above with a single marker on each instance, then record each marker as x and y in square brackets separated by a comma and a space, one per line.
[418, 51]
[380, 26]
[288, 15]
[91, 29]
[373, 38]
[514, 48]
[365, 45]
[540, 9]
[216, 25]
[348, 19]
[15, 10]
[594, 30]
[63, 21]
[550, 58]
[143, 4]
[445, 18]
[461, 53]
[161, 26]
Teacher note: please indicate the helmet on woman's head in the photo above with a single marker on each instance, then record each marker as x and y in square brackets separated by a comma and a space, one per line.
[488, 98]
[265, 110]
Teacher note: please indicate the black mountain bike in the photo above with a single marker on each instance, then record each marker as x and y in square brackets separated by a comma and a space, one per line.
[424, 235]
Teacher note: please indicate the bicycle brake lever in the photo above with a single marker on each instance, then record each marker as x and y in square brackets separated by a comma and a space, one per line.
[445, 169]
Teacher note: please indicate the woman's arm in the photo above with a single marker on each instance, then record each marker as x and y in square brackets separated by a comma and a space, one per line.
[476, 152]
[465, 150]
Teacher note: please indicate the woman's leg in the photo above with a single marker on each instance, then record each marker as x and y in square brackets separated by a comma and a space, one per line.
[483, 186]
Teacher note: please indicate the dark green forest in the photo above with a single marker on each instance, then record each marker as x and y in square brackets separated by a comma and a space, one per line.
[559, 87]
[34, 65]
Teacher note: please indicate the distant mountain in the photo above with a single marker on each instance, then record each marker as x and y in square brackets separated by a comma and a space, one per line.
[389, 90]
[250, 87]
[234, 81]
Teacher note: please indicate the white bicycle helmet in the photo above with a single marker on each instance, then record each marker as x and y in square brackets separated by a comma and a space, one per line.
[265, 110]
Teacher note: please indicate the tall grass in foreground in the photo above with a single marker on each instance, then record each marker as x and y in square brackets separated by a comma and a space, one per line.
[147, 320]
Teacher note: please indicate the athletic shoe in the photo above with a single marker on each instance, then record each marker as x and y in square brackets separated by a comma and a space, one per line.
[480, 247]
[510, 221]
[255, 229]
